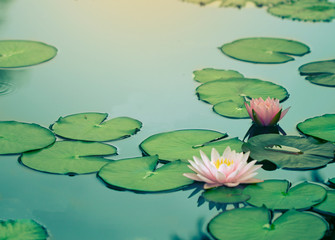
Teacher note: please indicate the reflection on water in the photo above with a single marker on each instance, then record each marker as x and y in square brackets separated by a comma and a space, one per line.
[11, 80]
[200, 235]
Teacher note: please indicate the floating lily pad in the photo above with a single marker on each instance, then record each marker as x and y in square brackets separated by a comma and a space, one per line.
[93, 127]
[256, 224]
[140, 174]
[18, 137]
[264, 50]
[211, 74]
[322, 127]
[237, 3]
[225, 195]
[228, 96]
[328, 205]
[305, 10]
[276, 194]
[184, 144]
[332, 181]
[22, 229]
[69, 157]
[290, 152]
[22, 53]
[321, 73]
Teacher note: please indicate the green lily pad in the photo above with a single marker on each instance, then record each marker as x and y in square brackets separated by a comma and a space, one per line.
[332, 181]
[69, 157]
[140, 174]
[237, 3]
[93, 127]
[305, 10]
[18, 137]
[228, 96]
[23, 53]
[211, 74]
[22, 229]
[264, 50]
[184, 144]
[328, 205]
[257, 224]
[225, 195]
[321, 73]
[322, 127]
[290, 152]
[276, 194]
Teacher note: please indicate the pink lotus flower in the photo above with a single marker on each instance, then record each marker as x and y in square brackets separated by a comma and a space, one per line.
[230, 169]
[265, 113]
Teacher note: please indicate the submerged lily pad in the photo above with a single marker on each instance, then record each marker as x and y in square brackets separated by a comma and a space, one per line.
[321, 73]
[228, 96]
[18, 137]
[184, 144]
[305, 10]
[23, 53]
[275, 194]
[211, 74]
[264, 50]
[237, 3]
[328, 205]
[290, 152]
[225, 195]
[22, 229]
[257, 224]
[93, 127]
[140, 174]
[322, 127]
[69, 157]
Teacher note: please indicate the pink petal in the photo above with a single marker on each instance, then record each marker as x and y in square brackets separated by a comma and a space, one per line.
[283, 113]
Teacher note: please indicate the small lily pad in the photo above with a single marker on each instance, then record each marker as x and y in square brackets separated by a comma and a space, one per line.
[264, 50]
[18, 137]
[257, 224]
[225, 195]
[276, 195]
[184, 144]
[228, 96]
[140, 174]
[321, 73]
[211, 74]
[69, 157]
[322, 127]
[290, 152]
[93, 127]
[305, 10]
[328, 205]
[22, 229]
[23, 53]
[332, 181]
[237, 3]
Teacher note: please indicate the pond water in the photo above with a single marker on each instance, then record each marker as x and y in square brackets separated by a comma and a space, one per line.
[135, 58]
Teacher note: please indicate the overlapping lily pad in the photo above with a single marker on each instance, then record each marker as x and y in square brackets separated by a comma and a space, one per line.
[93, 127]
[305, 10]
[211, 74]
[257, 224]
[264, 50]
[321, 72]
[225, 195]
[140, 174]
[290, 152]
[228, 96]
[237, 3]
[328, 205]
[18, 137]
[276, 194]
[22, 229]
[322, 127]
[23, 53]
[184, 144]
[69, 157]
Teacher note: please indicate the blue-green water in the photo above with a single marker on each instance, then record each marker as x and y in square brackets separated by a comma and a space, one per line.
[135, 58]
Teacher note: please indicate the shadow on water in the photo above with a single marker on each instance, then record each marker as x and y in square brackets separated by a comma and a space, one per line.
[200, 235]
[11, 80]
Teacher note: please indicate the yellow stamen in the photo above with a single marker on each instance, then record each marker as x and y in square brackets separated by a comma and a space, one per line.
[220, 161]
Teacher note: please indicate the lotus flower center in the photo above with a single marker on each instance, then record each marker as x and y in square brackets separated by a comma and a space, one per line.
[221, 161]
